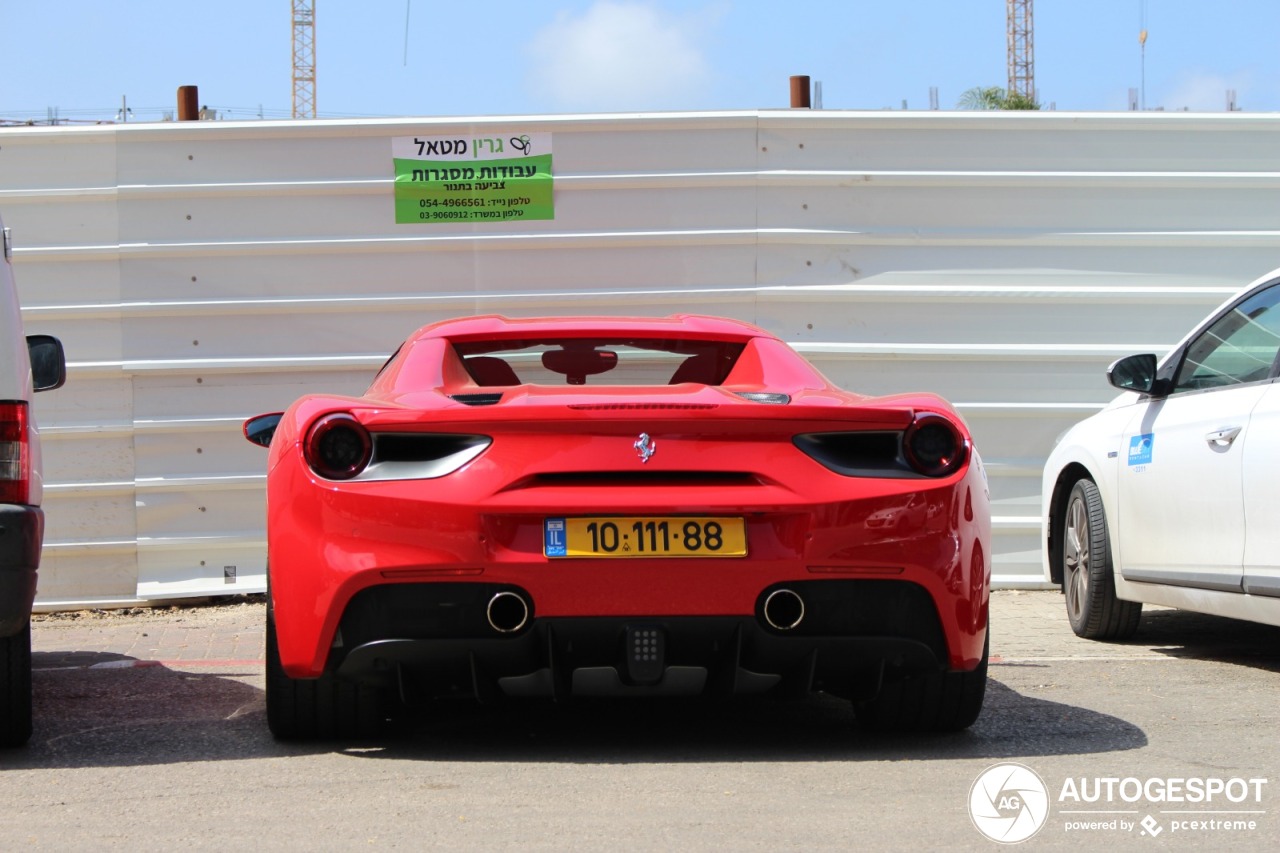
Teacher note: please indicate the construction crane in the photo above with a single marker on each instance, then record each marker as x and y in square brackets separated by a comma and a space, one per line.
[304, 58]
[1022, 76]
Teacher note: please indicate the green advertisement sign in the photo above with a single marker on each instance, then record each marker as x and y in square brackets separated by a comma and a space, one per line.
[460, 179]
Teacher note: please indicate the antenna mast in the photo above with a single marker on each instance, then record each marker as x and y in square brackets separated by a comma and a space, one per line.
[304, 58]
[1022, 58]
[1142, 48]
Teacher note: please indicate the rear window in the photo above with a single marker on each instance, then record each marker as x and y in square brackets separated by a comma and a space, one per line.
[597, 361]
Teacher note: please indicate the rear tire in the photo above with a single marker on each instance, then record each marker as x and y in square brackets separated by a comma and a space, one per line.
[929, 702]
[324, 708]
[1088, 581]
[15, 688]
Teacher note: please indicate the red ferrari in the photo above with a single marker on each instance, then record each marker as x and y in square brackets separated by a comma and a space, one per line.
[594, 506]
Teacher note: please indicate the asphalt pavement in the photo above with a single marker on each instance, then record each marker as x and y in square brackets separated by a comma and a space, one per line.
[150, 735]
[1026, 625]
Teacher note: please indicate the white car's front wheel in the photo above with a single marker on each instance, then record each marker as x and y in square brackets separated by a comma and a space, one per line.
[1092, 606]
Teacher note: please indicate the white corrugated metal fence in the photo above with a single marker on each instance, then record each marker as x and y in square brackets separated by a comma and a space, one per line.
[199, 273]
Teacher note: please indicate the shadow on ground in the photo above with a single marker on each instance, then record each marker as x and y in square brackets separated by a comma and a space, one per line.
[819, 728]
[1183, 634]
[110, 711]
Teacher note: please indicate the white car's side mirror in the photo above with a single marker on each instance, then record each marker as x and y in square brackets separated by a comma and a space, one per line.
[1134, 373]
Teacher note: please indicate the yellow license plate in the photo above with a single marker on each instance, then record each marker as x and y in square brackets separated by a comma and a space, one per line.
[648, 536]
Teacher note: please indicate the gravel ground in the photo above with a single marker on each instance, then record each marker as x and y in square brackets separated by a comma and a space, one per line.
[210, 610]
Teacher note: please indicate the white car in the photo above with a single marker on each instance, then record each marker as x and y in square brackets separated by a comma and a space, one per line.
[1171, 494]
[28, 363]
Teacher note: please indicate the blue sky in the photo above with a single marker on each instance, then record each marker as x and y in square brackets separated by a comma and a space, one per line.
[567, 56]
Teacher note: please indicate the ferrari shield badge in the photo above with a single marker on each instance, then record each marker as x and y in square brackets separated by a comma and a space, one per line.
[645, 446]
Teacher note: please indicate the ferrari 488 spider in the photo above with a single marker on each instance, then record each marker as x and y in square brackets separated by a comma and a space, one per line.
[613, 507]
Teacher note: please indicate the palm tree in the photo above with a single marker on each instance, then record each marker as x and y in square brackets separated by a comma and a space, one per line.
[995, 98]
[981, 98]
[1019, 101]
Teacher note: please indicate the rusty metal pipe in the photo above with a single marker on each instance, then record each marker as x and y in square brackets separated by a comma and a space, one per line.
[188, 103]
[800, 92]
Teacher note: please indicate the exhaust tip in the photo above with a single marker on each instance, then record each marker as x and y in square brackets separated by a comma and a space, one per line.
[508, 612]
[783, 609]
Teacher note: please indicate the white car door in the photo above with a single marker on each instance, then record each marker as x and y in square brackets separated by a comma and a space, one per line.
[1262, 497]
[1181, 494]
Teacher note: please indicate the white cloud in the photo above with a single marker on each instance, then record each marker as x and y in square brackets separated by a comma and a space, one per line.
[620, 55]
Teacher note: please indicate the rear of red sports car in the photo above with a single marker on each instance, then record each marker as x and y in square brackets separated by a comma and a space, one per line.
[605, 507]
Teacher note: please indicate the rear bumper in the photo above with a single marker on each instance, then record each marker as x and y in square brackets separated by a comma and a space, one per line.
[430, 640]
[329, 544]
[21, 534]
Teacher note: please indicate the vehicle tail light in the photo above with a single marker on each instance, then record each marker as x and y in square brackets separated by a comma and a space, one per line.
[15, 458]
[338, 447]
[933, 445]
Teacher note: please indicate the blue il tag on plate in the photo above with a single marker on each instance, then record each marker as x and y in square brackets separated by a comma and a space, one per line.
[553, 538]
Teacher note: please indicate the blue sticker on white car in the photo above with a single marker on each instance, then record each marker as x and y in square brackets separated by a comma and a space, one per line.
[553, 538]
[1140, 449]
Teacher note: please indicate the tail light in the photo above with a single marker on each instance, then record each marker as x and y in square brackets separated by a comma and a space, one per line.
[338, 447]
[15, 458]
[933, 445]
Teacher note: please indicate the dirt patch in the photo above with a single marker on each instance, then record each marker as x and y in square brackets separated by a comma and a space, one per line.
[235, 606]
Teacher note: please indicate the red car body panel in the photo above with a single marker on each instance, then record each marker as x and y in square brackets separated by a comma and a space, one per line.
[565, 451]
